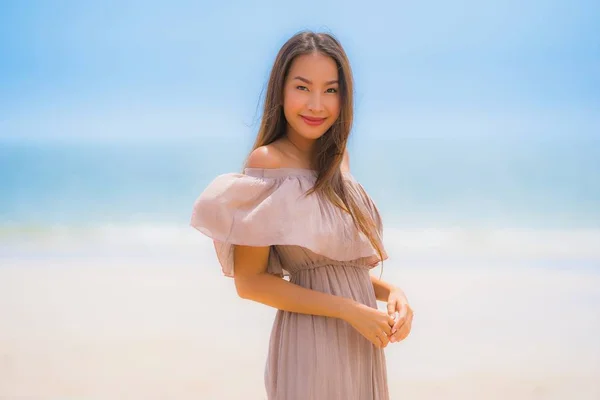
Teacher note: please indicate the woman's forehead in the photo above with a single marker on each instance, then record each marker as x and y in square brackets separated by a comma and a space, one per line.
[316, 68]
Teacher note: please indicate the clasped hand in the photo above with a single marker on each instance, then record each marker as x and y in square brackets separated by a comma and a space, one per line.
[398, 307]
[379, 327]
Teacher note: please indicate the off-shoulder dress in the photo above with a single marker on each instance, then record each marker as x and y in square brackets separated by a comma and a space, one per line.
[317, 246]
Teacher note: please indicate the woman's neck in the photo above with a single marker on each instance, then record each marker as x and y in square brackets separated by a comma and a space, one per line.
[303, 146]
[300, 148]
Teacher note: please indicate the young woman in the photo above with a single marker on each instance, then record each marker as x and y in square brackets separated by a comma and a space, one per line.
[297, 211]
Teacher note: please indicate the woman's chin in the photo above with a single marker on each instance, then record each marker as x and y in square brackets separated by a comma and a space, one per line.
[313, 133]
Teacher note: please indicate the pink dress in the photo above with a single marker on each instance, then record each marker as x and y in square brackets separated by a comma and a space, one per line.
[316, 245]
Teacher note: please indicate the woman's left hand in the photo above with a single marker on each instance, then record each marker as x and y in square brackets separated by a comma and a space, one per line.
[398, 304]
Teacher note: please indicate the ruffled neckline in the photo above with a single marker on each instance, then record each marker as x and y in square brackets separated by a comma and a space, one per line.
[268, 207]
[284, 172]
[279, 172]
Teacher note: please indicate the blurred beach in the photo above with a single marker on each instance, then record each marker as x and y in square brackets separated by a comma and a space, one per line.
[106, 292]
[146, 314]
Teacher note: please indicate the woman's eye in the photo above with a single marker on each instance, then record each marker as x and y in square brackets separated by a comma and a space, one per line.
[332, 90]
[301, 87]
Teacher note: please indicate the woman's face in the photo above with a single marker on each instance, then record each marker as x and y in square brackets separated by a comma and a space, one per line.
[311, 102]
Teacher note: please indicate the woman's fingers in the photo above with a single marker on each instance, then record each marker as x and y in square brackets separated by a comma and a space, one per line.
[401, 317]
[383, 331]
[376, 341]
[387, 329]
[403, 331]
[381, 340]
[392, 320]
[391, 307]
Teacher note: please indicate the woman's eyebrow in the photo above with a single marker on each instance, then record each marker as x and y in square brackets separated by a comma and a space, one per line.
[309, 82]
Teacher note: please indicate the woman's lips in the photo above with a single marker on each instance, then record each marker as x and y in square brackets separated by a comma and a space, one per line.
[313, 121]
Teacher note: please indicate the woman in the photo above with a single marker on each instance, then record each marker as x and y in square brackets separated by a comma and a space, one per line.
[297, 211]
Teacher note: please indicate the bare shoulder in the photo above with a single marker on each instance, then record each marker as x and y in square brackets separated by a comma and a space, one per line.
[264, 157]
[345, 167]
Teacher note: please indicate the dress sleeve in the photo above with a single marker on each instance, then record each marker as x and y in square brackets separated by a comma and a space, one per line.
[237, 209]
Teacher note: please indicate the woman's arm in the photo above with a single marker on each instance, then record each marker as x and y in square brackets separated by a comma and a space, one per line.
[382, 288]
[253, 282]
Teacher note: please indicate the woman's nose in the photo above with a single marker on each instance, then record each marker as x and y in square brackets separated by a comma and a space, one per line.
[315, 103]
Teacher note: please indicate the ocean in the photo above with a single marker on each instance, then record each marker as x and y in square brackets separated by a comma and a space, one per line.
[461, 196]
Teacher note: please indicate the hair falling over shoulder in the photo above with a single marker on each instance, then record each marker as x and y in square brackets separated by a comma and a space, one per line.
[331, 146]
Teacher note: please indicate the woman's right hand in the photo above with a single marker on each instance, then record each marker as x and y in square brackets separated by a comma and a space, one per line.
[373, 324]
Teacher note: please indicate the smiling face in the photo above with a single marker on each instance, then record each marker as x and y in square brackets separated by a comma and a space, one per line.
[311, 99]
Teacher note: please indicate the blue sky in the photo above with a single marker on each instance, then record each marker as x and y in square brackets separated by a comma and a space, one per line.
[130, 69]
[487, 112]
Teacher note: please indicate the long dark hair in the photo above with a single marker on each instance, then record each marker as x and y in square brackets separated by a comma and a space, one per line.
[329, 149]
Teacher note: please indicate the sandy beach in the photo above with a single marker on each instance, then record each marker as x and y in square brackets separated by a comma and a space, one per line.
[171, 327]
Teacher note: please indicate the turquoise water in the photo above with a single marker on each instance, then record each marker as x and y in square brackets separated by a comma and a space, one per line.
[471, 183]
[463, 201]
